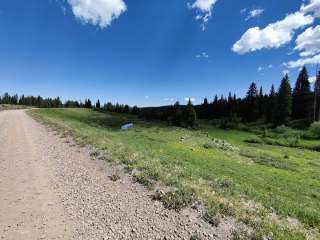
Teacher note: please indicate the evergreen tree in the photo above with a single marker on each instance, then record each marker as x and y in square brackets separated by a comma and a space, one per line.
[317, 98]
[126, 109]
[271, 105]
[204, 110]
[214, 108]
[284, 102]
[261, 102]
[190, 115]
[252, 104]
[302, 97]
[176, 114]
[87, 103]
[98, 106]
[135, 110]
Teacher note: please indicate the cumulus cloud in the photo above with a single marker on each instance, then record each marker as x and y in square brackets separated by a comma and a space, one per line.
[273, 36]
[168, 99]
[97, 12]
[312, 79]
[278, 33]
[313, 7]
[255, 13]
[189, 98]
[202, 55]
[303, 61]
[308, 42]
[285, 72]
[204, 10]
[260, 69]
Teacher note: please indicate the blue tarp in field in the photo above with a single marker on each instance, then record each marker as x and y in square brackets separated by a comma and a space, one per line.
[127, 126]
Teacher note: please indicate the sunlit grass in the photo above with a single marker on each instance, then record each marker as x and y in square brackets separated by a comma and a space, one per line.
[224, 180]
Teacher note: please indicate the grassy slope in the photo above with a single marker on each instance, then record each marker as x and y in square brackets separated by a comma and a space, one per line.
[4, 107]
[221, 178]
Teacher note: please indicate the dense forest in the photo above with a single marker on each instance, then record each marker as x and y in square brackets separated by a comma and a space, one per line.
[278, 107]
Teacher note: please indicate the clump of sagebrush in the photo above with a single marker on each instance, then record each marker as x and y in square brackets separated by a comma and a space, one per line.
[94, 153]
[143, 179]
[176, 200]
[195, 237]
[254, 139]
[115, 177]
[265, 159]
[221, 144]
[241, 234]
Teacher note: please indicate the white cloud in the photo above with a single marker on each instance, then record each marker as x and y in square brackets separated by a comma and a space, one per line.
[191, 99]
[202, 55]
[308, 42]
[285, 72]
[304, 61]
[243, 11]
[98, 12]
[260, 69]
[273, 36]
[313, 6]
[204, 10]
[255, 13]
[146, 97]
[312, 79]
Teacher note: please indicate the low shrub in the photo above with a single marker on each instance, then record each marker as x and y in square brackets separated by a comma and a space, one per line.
[315, 130]
[143, 179]
[115, 177]
[216, 211]
[195, 237]
[282, 129]
[254, 139]
[234, 123]
[176, 200]
[301, 124]
[264, 159]
[221, 144]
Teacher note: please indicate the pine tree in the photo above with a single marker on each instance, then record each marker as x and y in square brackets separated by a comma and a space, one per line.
[98, 106]
[204, 110]
[252, 104]
[261, 102]
[190, 115]
[301, 97]
[317, 98]
[135, 110]
[214, 108]
[126, 109]
[271, 105]
[176, 114]
[284, 102]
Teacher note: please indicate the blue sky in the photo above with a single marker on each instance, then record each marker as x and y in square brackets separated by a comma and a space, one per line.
[153, 52]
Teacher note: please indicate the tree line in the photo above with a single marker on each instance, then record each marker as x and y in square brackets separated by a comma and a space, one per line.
[278, 106]
[31, 101]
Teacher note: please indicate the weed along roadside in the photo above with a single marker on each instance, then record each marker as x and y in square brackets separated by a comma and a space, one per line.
[221, 174]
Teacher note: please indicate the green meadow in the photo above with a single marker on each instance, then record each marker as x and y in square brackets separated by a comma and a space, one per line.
[272, 189]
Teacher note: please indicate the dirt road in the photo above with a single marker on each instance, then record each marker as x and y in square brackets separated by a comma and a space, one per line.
[51, 189]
